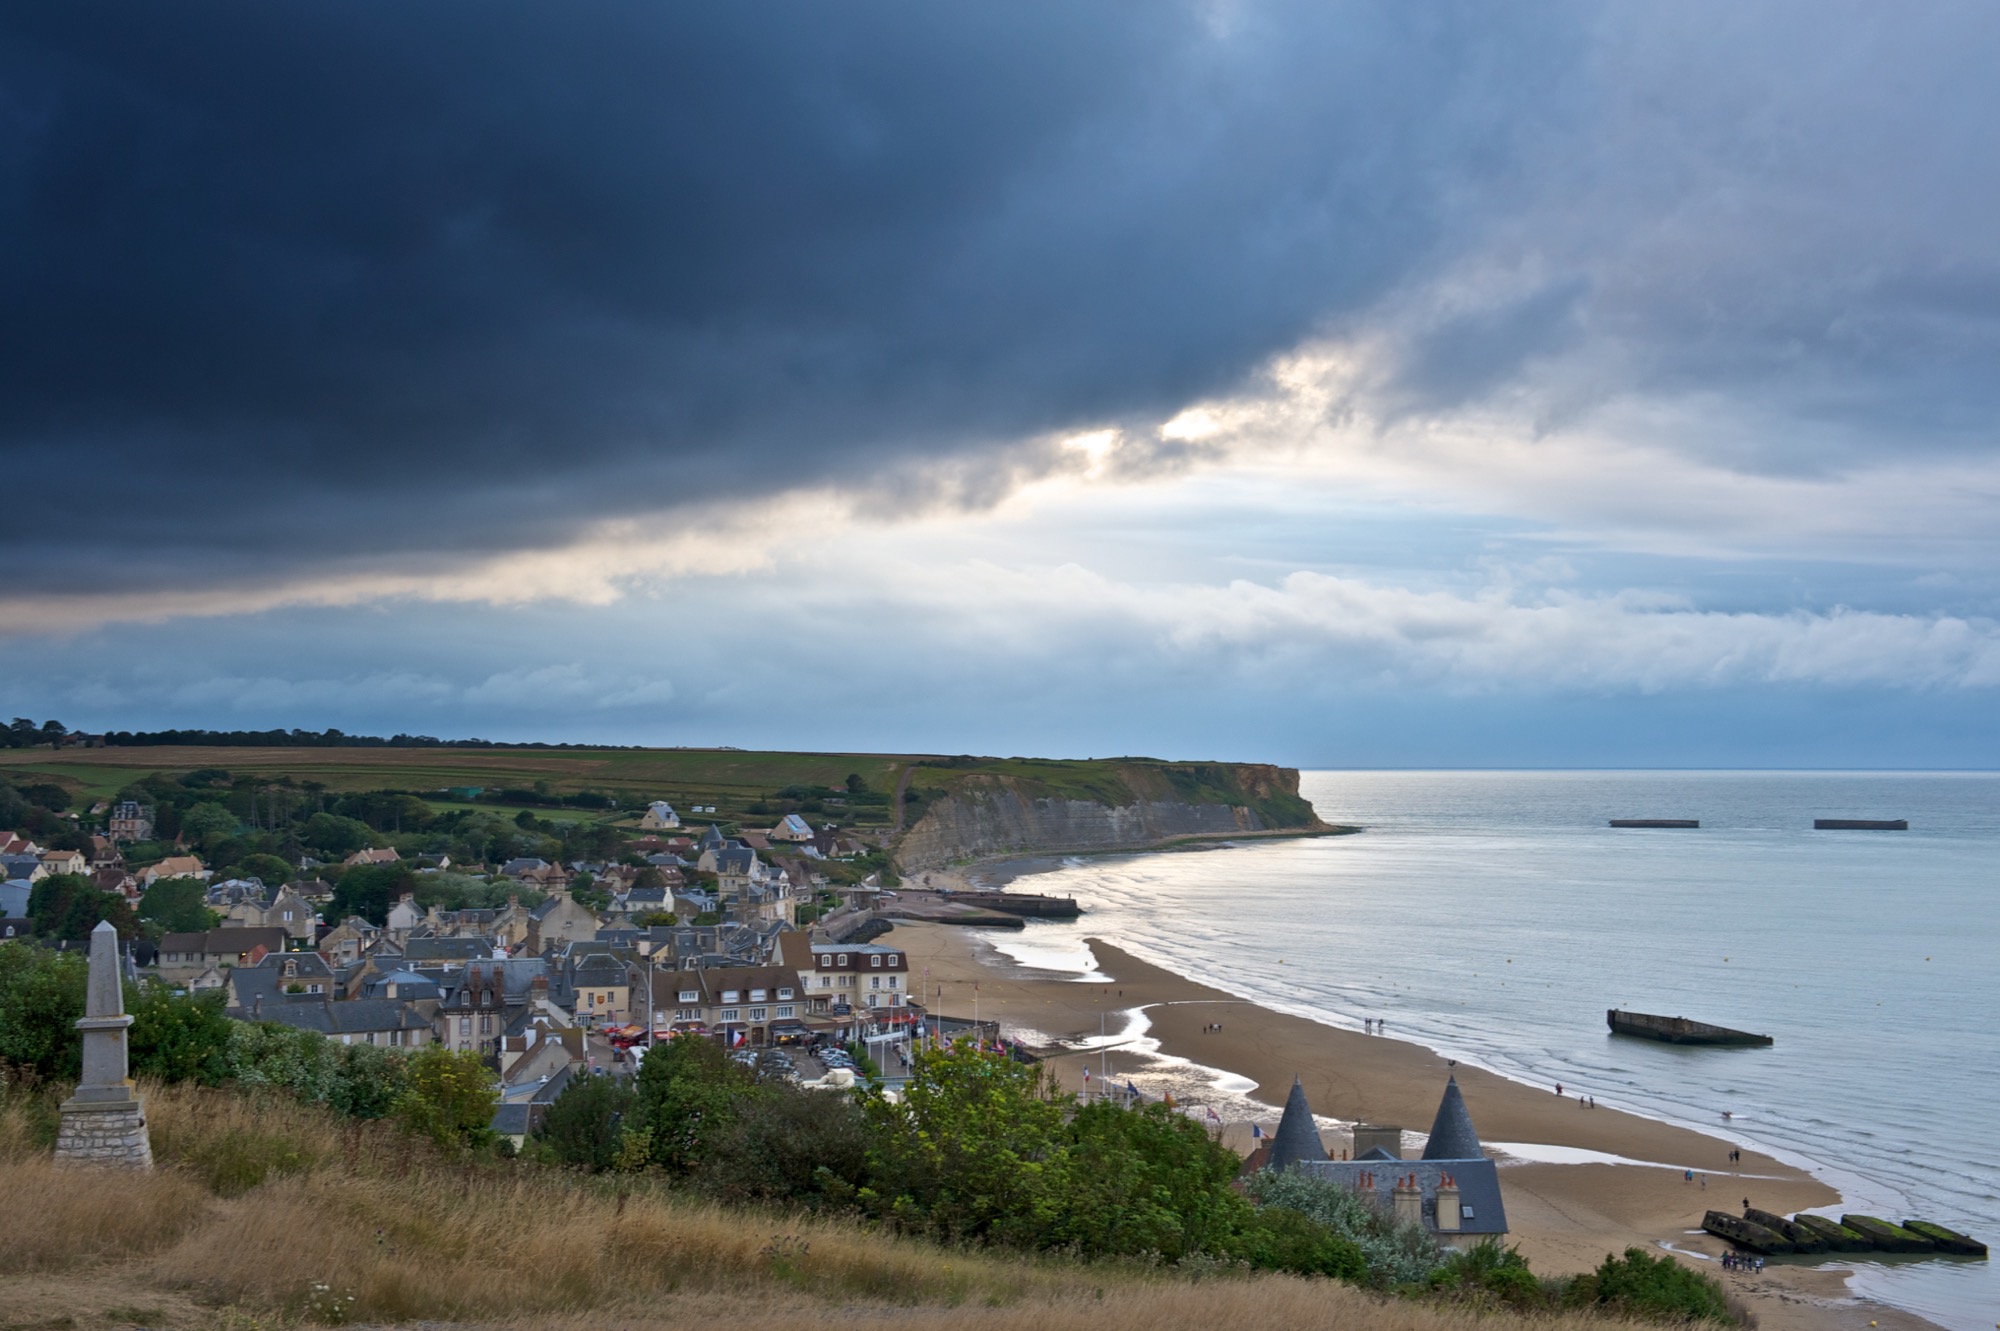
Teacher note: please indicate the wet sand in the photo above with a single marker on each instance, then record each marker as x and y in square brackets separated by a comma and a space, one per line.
[1565, 1217]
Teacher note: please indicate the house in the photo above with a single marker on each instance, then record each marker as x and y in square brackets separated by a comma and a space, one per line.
[348, 941]
[371, 855]
[517, 1119]
[659, 817]
[792, 828]
[104, 853]
[64, 861]
[131, 821]
[113, 878]
[560, 919]
[404, 916]
[23, 868]
[387, 1022]
[174, 866]
[744, 1005]
[14, 895]
[185, 956]
[13, 843]
[1453, 1191]
[596, 986]
[858, 975]
[278, 977]
[480, 1002]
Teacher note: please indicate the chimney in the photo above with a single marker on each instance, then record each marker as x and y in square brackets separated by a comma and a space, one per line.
[1408, 1200]
[1447, 1206]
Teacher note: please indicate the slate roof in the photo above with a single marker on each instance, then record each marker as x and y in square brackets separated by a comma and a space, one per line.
[1297, 1138]
[1481, 1209]
[712, 839]
[359, 1016]
[447, 949]
[1452, 1134]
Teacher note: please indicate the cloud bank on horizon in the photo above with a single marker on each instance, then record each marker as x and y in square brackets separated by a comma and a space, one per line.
[1473, 358]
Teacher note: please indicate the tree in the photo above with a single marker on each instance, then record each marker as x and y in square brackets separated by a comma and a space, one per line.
[788, 1145]
[688, 1092]
[41, 996]
[368, 890]
[178, 906]
[975, 1149]
[208, 824]
[333, 836]
[856, 784]
[271, 869]
[68, 905]
[585, 1126]
[448, 1096]
[1148, 1180]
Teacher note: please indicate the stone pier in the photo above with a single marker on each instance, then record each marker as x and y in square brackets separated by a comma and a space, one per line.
[104, 1123]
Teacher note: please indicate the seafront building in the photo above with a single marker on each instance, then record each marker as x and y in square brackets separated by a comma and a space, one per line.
[1452, 1191]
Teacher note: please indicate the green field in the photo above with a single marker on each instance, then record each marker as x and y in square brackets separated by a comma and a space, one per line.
[731, 779]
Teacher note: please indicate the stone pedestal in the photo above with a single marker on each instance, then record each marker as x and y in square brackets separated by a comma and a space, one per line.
[96, 1132]
[104, 1123]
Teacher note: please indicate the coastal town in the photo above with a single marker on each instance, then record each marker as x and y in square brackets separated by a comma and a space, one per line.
[556, 941]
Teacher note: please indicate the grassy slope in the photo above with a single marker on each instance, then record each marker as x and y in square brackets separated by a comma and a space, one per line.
[726, 777]
[259, 1201]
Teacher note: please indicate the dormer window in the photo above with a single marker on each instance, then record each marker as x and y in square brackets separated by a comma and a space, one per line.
[690, 995]
[732, 995]
[784, 993]
[843, 958]
[759, 995]
[895, 958]
[875, 960]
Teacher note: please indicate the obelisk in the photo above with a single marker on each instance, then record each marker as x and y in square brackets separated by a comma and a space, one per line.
[104, 1123]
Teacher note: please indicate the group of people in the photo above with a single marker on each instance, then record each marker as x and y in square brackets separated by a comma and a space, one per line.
[1736, 1261]
[1371, 1025]
[1211, 1028]
[1582, 1101]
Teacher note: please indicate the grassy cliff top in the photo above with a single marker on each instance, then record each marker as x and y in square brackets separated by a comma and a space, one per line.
[730, 778]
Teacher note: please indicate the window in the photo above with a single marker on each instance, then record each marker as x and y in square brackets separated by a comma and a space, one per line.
[690, 996]
[758, 995]
[314, 988]
[785, 1011]
[486, 1025]
[758, 1014]
[826, 982]
[895, 958]
[895, 980]
[730, 1014]
[465, 1026]
[874, 982]
[288, 917]
[732, 995]
[843, 958]
[875, 960]
[785, 993]
[688, 1014]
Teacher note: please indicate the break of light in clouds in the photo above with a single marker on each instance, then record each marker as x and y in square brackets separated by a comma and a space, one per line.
[1556, 382]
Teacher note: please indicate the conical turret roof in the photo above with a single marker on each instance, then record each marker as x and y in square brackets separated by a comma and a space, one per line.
[1298, 1136]
[1452, 1134]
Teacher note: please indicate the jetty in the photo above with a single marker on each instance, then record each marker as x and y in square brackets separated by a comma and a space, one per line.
[1861, 824]
[1677, 1030]
[1656, 822]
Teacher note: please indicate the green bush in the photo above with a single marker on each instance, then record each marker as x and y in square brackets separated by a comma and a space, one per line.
[1277, 1238]
[1639, 1284]
[1492, 1273]
[584, 1127]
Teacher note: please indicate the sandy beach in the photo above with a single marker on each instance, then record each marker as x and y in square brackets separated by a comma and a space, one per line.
[1565, 1216]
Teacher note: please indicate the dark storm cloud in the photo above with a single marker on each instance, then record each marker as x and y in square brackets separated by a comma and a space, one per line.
[323, 285]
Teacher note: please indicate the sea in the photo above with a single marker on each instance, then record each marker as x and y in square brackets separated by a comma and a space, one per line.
[1494, 916]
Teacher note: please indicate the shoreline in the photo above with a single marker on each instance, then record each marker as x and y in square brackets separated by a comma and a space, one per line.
[1621, 1181]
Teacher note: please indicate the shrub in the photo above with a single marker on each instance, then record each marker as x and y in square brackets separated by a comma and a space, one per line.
[1659, 1287]
[585, 1126]
[448, 1097]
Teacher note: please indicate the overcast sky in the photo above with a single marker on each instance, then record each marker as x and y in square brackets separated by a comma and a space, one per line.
[1327, 383]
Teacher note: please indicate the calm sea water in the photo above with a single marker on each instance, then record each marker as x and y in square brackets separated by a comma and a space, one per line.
[1495, 916]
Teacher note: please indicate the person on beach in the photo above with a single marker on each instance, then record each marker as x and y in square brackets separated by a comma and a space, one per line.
[1559, 1088]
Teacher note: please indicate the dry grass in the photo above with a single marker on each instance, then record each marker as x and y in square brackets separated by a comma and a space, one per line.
[269, 1211]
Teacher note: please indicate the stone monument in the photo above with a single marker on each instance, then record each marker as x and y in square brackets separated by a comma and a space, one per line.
[104, 1123]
